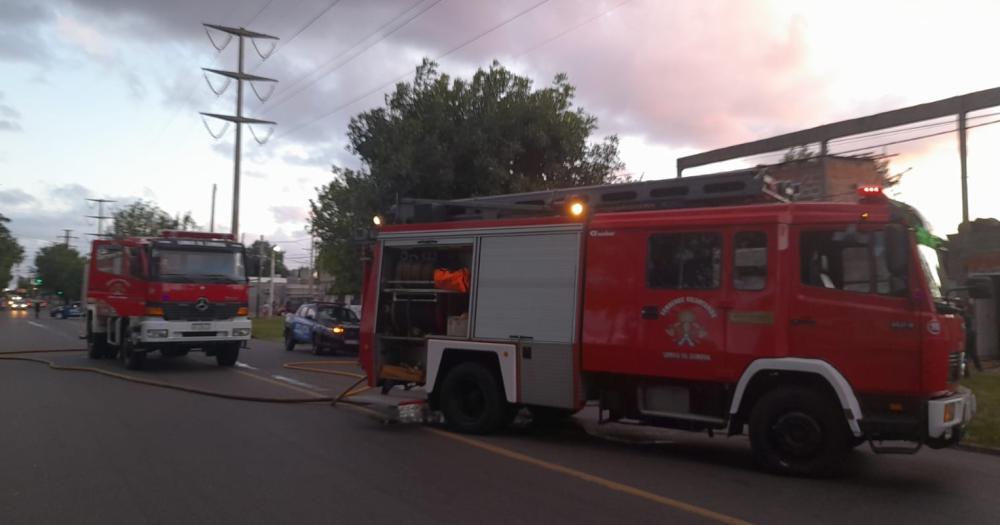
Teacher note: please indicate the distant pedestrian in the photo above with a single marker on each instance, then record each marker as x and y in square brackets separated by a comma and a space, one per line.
[38, 308]
[971, 351]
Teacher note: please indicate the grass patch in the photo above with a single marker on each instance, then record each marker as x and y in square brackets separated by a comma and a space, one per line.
[269, 328]
[985, 427]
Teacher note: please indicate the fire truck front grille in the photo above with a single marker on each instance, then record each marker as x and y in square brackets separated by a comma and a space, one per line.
[189, 312]
[955, 362]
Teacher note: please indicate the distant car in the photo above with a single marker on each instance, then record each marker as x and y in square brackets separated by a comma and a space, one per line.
[18, 305]
[66, 311]
[327, 326]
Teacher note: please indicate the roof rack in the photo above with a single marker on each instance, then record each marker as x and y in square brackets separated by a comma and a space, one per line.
[729, 188]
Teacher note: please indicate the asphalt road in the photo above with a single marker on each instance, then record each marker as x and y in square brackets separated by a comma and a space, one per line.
[78, 447]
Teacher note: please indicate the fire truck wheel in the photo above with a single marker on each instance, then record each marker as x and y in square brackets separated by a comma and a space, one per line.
[228, 354]
[97, 345]
[130, 358]
[798, 430]
[289, 341]
[472, 401]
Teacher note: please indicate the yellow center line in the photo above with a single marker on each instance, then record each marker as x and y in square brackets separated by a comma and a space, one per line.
[583, 476]
[280, 383]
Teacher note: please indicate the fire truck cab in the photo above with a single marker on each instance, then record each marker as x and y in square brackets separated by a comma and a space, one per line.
[706, 303]
[173, 293]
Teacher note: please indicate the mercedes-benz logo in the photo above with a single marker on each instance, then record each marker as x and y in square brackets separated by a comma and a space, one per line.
[201, 304]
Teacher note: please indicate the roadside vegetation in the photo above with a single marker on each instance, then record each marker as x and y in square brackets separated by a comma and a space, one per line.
[268, 328]
[985, 427]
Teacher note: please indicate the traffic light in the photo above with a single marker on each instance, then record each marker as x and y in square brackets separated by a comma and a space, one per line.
[38, 281]
[59, 292]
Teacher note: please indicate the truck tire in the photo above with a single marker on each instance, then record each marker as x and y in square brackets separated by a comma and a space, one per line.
[97, 344]
[799, 431]
[472, 401]
[130, 358]
[289, 341]
[228, 354]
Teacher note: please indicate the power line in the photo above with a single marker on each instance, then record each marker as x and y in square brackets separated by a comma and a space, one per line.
[404, 75]
[911, 139]
[569, 30]
[291, 94]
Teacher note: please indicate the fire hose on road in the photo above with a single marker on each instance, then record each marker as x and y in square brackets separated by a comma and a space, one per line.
[307, 366]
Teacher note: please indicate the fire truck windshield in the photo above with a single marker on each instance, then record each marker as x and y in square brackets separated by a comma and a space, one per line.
[186, 265]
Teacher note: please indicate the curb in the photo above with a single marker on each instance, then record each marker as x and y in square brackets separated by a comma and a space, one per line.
[978, 448]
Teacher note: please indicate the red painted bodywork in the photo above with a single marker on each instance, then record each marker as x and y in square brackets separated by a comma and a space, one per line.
[128, 293]
[852, 331]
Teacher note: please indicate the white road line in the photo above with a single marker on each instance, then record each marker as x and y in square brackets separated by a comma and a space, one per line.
[40, 325]
[244, 365]
[295, 382]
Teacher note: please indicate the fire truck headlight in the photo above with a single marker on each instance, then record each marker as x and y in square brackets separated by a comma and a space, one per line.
[156, 334]
[243, 311]
[949, 412]
[241, 332]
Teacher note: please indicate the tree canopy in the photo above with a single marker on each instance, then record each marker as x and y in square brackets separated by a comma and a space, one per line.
[257, 263]
[60, 268]
[145, 219]
[443, 138]
[11, 252]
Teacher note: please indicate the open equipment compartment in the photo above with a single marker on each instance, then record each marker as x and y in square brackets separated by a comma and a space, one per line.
[425, 290]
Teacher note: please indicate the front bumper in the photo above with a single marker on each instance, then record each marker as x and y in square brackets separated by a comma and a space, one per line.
[154, 331]
[946, 416]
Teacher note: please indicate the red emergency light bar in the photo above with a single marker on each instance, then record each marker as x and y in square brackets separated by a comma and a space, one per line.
[870, 193]
[181, 234]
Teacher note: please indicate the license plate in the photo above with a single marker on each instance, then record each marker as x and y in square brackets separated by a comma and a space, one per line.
[201, 326]
[350, 341]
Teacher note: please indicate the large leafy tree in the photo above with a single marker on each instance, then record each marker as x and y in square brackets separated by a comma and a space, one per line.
[11, 252]
[258, 259]
[445, 138]
[60, 268]
[145, 219]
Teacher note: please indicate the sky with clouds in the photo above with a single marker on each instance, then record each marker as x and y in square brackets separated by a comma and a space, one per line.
[100, 98]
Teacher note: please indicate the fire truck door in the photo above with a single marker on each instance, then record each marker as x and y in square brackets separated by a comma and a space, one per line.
[752, 284]
[113, 284]
[847, 310]
[682, 328]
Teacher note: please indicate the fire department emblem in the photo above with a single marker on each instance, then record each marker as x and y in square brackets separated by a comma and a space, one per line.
[685, 330]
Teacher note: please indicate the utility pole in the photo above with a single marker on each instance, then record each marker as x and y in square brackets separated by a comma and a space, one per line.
[260, 272]
[238, 120]
[67, 236]
[270, 294]
[312, 264]
[100, 215]
[211, 223]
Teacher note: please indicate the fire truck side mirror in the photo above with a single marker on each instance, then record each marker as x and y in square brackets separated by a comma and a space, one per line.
[979, 287]
[897, 244]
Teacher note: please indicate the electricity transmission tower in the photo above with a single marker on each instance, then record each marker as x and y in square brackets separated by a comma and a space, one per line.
[238, 119]
[100, 216]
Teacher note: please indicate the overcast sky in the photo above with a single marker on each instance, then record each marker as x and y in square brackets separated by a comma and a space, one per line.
[100, 98]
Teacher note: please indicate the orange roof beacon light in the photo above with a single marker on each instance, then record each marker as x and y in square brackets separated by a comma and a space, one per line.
[377, 221]
[575, 207]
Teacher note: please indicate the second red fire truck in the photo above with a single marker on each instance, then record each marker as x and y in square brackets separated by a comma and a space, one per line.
[174, 293]
[706, 304]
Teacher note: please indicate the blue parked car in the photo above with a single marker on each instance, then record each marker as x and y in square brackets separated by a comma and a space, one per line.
[327, 326]
[66, 311]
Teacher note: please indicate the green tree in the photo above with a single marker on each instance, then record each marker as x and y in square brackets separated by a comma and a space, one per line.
[60, 268]
[257, 262]
[11, 252]
[445, 138]
[145, 219]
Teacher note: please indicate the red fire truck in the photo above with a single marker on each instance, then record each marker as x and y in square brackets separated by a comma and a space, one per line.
[706, 303]
[173, 293]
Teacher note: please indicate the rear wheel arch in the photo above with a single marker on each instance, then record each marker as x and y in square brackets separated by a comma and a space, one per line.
[453, 357]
